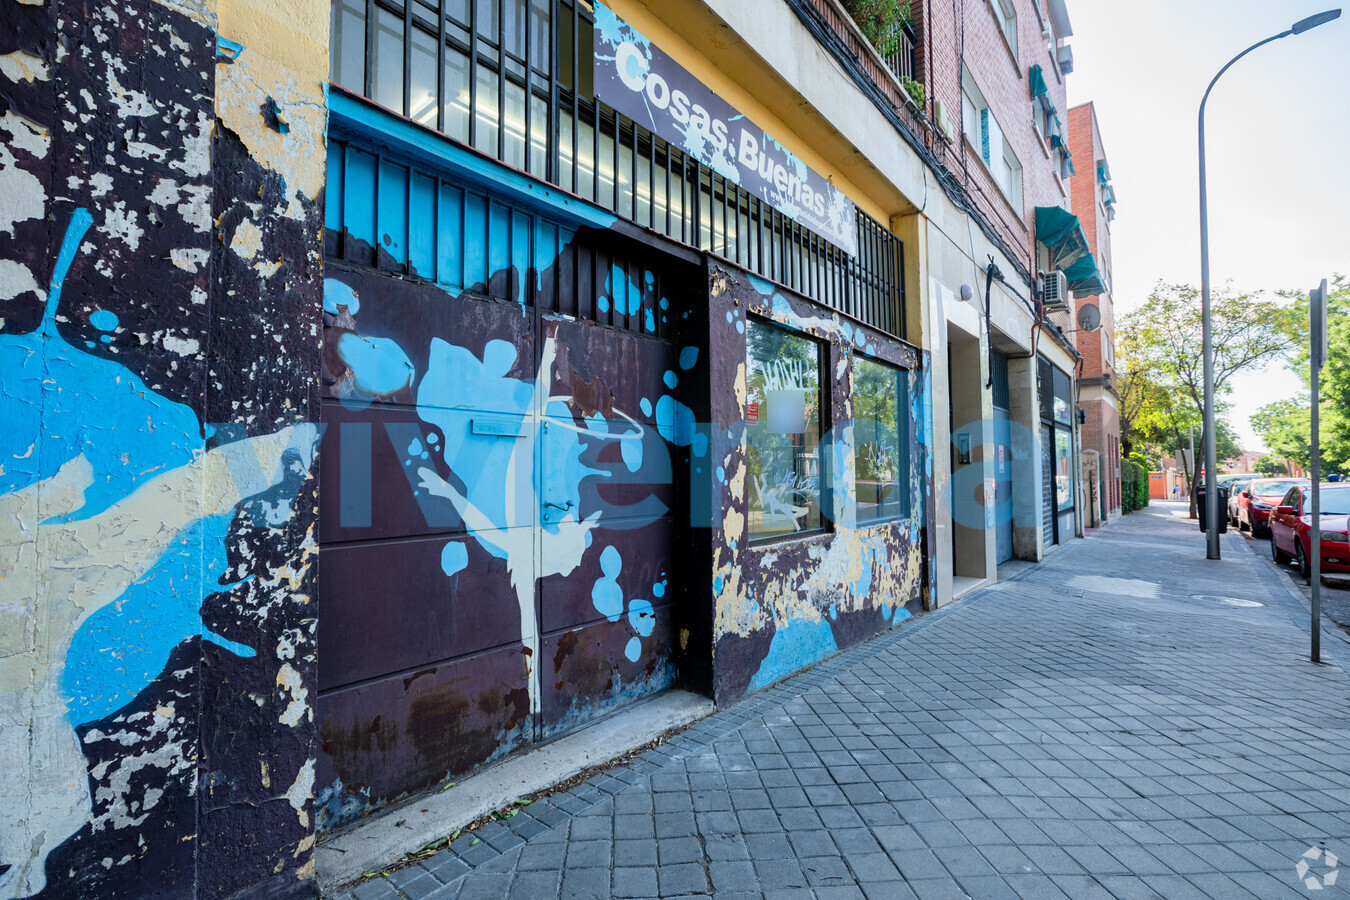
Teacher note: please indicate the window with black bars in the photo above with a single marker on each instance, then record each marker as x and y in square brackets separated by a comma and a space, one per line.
[383, 212]
[513, 79]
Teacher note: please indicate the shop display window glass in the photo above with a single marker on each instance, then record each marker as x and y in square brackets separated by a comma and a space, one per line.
[881, 440]
[1063, 469]
[784, 416]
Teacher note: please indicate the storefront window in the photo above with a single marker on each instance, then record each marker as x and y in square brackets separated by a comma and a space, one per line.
[881, 436]
[1063, 388]
[783, 426]
[1063, 469]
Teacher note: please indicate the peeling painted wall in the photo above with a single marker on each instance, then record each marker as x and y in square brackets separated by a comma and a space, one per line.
[783, 605]
[159, 302]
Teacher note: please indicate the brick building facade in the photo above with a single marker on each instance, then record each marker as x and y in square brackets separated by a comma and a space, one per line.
[1094, 203]
[995, 76]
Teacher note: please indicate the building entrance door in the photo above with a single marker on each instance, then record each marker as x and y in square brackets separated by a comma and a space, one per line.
[1002, 447]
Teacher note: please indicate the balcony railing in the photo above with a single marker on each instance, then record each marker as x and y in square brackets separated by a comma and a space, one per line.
[884, 72]
[901, 62]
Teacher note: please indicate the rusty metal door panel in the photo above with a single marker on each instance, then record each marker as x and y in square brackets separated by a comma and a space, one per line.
[384, 740]
[605, 615]
[625, 564]
[587, 673]
[608, 371]
[391, 607]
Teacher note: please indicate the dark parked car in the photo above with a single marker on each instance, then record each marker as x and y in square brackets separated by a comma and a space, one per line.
[1263, 495]
[1291, 529]
[1235, 489]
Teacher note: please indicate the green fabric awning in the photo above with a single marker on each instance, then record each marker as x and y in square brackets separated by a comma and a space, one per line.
[1056, 141]
[1084, 277]
[1068, 162]
[1036, 80]
[1062, 234]
[1103, 172]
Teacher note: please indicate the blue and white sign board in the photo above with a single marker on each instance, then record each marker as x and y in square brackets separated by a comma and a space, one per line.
[642, 82]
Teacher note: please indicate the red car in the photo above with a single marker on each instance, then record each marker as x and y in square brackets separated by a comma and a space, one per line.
[1260, 499]
[1291, 528]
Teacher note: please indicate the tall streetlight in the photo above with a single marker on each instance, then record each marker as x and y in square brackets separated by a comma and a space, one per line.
[1211, 462]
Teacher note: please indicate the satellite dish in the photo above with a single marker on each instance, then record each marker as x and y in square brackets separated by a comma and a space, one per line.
[1089, 317]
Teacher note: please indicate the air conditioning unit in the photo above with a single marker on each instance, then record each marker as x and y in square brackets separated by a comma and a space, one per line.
[1066, 59]
[944, 122]
[1055, 294]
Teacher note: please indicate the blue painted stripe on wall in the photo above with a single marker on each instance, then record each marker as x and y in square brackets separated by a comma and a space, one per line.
[360, 195]
[449, 235]
[393, 210]
[335, 193]
[422, 216]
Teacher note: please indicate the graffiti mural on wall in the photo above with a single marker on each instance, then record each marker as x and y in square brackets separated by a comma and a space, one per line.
[785, 605]
[155, 500]
[496, 490]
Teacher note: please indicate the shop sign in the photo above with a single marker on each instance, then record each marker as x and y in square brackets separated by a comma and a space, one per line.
[639, 80]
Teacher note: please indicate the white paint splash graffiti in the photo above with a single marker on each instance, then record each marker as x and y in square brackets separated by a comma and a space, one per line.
[504, 498]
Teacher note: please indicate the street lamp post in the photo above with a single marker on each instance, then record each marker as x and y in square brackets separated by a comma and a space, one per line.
[1207, 337]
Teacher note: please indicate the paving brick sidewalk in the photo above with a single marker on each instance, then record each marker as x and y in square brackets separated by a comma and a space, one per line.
[1092, 729]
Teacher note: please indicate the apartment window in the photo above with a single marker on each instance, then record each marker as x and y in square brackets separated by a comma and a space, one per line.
[881, 435]
[1052, 40]
[1010, 177]
[986, 138]
[1065, 159]
[1006, 15]
[784, 425]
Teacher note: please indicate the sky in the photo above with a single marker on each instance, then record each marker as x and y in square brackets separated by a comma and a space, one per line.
[1277, 128]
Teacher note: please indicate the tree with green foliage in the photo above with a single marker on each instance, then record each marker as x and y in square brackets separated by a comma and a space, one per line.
[1161, 341]
[1271, 466]
[1286, 425]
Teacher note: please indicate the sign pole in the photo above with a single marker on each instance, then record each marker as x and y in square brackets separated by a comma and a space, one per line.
[1317, 310]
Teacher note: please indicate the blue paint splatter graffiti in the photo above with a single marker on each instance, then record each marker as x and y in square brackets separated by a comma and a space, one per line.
[114, 484]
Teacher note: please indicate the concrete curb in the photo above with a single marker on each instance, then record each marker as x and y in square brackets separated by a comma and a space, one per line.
[386, 837]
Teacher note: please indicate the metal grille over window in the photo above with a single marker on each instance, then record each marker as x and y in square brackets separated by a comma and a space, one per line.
[480, 71]
[514, 79]
[401, 219]
[783, 431]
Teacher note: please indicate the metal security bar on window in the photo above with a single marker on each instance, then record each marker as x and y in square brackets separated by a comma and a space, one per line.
[384, 213]
[479, 71]
[461, 68]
